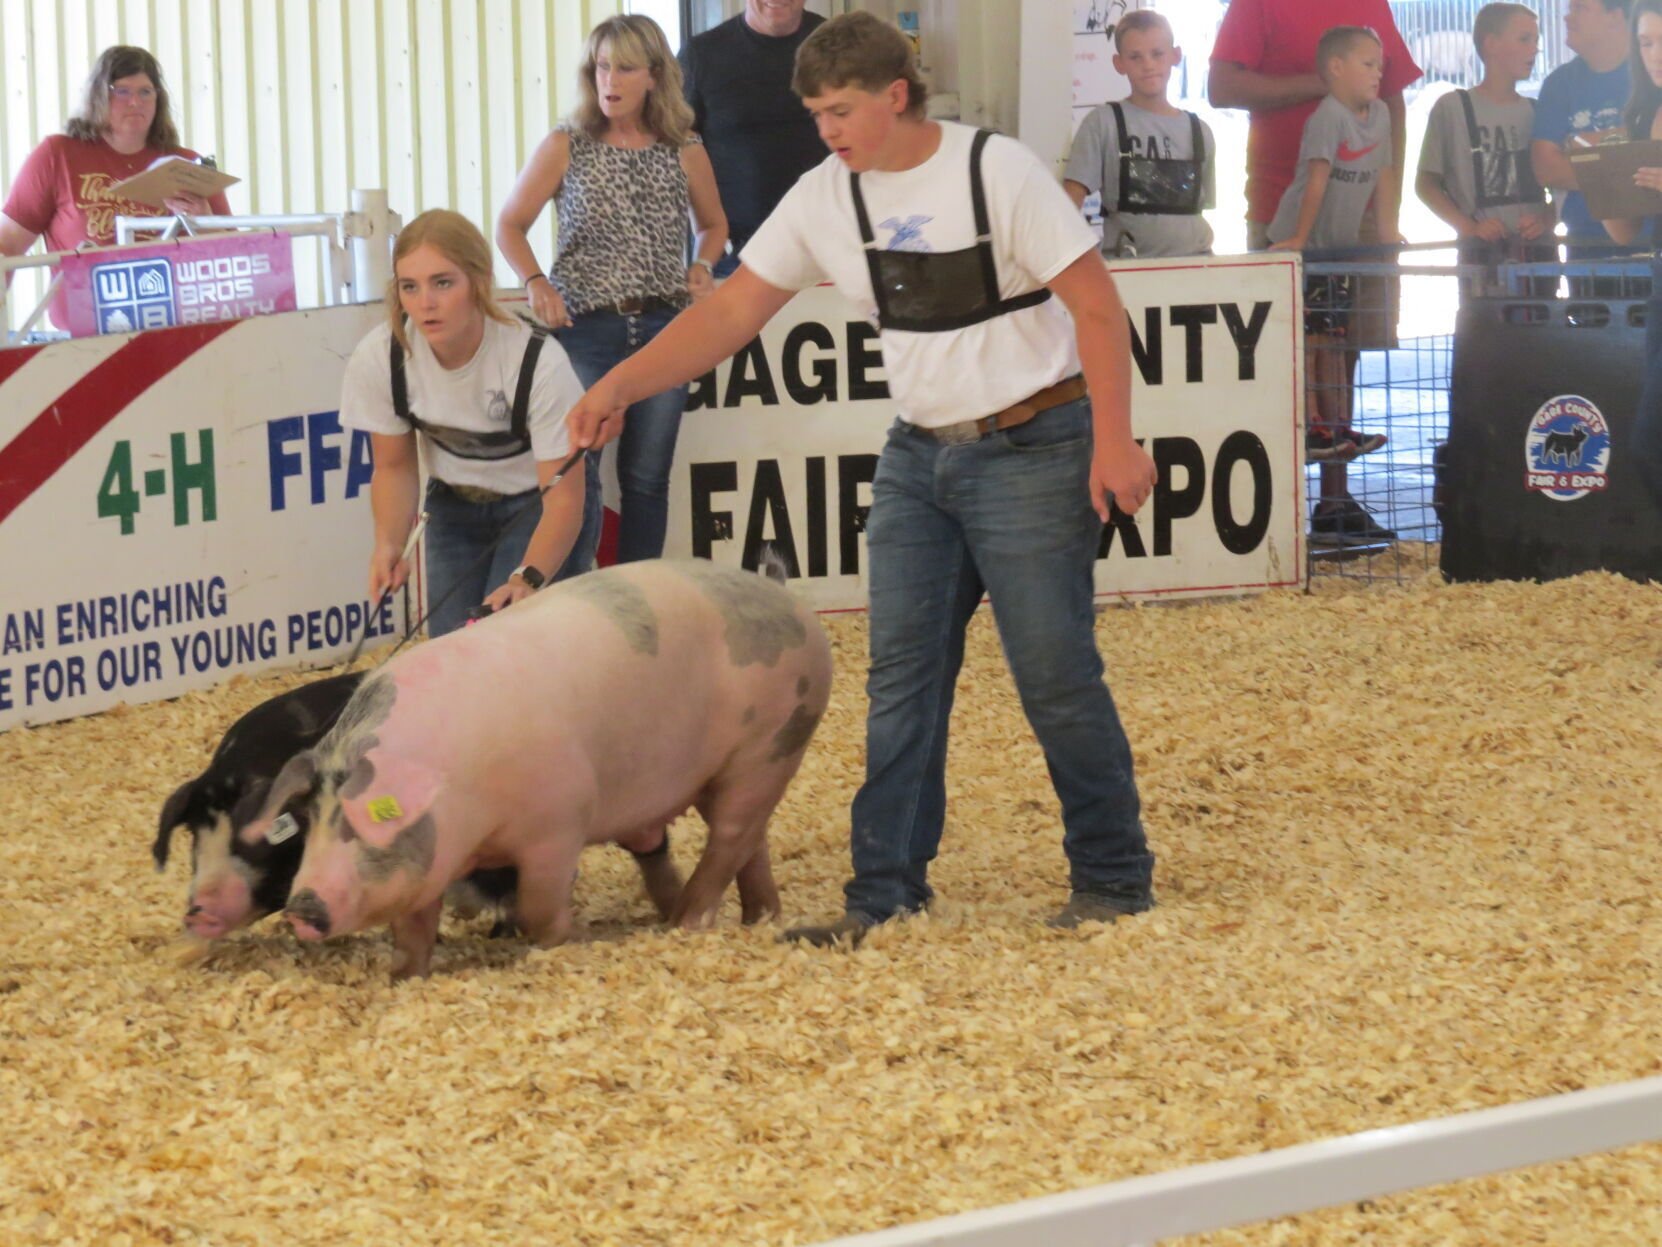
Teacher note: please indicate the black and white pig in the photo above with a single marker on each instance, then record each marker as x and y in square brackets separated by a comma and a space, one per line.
[239, 874]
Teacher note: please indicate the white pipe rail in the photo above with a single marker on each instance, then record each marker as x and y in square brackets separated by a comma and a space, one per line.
[13, 264]
[370, 227]
[366, 231]
[358, 251]
[128, 228]
[1142, 1211]
[327, 226]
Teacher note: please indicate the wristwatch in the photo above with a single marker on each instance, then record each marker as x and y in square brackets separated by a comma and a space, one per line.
[705, 265]
[529, 575]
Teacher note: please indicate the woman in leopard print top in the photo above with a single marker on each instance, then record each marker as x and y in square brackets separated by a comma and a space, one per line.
[624, 173]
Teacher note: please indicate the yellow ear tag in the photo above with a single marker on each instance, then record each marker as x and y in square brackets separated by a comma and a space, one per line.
[384, 809]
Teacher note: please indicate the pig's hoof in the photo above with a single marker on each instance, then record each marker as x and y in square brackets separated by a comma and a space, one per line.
[665, 899]
[404, 967]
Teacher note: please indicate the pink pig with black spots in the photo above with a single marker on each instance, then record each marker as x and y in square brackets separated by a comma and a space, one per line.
[597, 710]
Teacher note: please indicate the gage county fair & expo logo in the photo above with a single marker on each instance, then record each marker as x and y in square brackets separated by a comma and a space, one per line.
[1567, 449]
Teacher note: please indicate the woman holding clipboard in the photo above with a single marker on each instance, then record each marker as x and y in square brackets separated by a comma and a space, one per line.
[64, 190]
[1644, 120]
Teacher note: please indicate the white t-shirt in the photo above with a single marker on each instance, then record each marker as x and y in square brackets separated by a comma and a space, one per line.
[477, 397]
[958, 374]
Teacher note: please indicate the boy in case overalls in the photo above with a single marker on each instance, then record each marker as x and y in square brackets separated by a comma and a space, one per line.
[1475, 171]
[1152, 163]
[998, 475]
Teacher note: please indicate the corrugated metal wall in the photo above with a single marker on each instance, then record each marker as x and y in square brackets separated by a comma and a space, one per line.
[438, 101]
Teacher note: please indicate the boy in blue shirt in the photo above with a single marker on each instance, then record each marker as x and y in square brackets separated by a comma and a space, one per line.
[1582, 102]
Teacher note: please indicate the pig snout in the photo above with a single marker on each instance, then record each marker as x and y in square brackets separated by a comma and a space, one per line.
[219, 907]
[199, 922]
[308, 915]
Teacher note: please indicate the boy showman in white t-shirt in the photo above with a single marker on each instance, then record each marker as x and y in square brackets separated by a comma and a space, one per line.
[997, 477]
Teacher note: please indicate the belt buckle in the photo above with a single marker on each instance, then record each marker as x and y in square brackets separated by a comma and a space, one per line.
[960, 434]
[631, 307]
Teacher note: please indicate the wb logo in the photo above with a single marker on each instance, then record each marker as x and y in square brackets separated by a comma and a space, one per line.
[133, 294]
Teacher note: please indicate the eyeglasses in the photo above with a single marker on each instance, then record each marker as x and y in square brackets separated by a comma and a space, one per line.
[127, 95]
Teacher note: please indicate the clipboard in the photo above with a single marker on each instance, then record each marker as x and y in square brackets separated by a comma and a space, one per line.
[169, 176]
[1605, 177]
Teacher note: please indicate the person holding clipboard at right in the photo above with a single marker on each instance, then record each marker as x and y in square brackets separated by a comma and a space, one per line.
[1644, 120]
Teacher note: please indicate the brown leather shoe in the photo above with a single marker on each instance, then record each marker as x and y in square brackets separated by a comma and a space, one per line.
[850, 928]
[1085, 907]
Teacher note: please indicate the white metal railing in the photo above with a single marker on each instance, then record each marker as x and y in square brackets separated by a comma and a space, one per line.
[1214, 1196]
[15, 264]
[358, 252]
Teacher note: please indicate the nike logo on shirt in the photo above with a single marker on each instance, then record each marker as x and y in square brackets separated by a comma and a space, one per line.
[1347, 152]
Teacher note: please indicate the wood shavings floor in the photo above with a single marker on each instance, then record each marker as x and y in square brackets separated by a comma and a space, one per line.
[1409, 865]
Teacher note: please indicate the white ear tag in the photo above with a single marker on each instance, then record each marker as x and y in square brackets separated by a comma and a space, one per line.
[283, 828]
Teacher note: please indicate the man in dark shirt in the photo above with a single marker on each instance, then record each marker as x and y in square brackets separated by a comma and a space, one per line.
[759, 136]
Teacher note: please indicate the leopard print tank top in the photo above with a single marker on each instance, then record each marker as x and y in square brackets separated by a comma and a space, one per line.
[622, 221]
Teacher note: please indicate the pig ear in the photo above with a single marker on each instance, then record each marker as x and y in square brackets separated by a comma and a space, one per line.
[249, 804]
[296, 778]
[173, 813]
[395, 793]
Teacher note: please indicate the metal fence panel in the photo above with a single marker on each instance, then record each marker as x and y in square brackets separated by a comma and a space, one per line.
[1439, 35]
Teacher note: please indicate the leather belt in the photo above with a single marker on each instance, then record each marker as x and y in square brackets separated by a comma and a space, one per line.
[1064, 391]
[478, 495]
[638, 306]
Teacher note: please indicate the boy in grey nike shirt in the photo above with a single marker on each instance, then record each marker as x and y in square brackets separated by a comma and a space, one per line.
[1344, 161]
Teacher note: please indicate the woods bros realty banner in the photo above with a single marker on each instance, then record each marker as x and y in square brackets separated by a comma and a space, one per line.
[177, 506]
[188, 282]
[781, 443]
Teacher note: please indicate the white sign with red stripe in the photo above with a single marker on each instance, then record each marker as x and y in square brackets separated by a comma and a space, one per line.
[181, 505]
[178, 506]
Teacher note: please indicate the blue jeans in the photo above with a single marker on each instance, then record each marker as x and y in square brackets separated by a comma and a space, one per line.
[459, 572]
[597, 342]
[1009, 515]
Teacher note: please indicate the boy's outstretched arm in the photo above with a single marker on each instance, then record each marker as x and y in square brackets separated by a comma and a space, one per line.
[689, 346]
[1309, 208]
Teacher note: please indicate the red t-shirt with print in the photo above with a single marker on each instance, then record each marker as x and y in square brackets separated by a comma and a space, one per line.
[63, 192]
[1279, 37]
